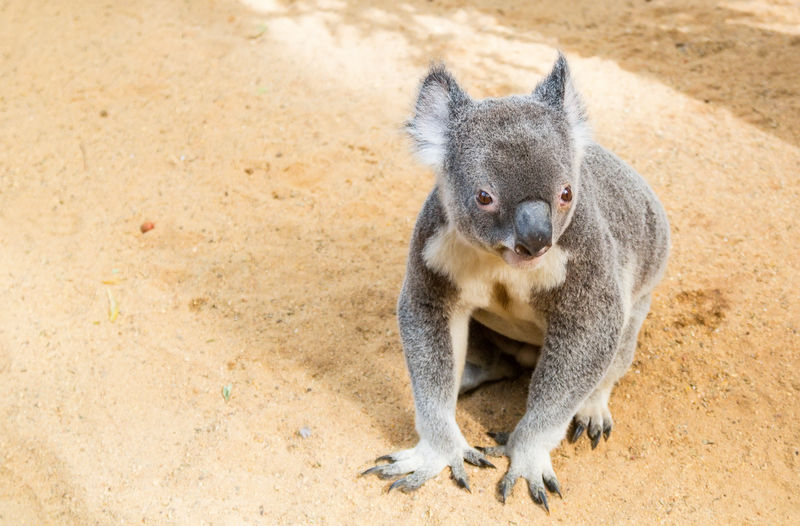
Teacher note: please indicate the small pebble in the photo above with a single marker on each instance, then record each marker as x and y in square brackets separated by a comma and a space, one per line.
[305, 432]
[147, 226]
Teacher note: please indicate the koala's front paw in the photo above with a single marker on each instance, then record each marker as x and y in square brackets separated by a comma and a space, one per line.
[423, 462]
[530, 462]
[593, 417]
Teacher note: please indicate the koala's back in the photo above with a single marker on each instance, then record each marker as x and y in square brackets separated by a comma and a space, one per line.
[630, 211]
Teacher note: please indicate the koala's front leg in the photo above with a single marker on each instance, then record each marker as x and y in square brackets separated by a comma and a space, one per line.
[434, 341]
[576, 354]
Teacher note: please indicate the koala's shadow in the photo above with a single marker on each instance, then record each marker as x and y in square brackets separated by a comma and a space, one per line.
[493, 406]
[371, 371]
[708, 50]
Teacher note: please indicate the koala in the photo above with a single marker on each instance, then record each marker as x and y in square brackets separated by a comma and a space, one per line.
[536, 248]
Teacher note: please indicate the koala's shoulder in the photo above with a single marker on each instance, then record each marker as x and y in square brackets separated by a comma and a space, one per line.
[429, 220]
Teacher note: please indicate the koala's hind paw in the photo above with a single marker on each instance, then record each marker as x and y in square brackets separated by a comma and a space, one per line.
[594, 418]
[421, 463]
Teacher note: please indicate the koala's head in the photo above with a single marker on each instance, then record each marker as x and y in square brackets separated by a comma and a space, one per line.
[507, 169]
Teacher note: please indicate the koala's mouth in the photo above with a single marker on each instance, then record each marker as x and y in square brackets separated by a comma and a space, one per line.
[522, 260]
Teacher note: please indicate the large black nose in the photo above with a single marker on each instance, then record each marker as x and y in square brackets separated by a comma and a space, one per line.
[532, 228]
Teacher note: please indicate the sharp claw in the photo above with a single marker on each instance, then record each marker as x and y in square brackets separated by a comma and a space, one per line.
[543, 496]
[499, 436]
[540, 497]
[384, 457]
[577, 432]
[595, 440]
[399, 483]
[370, 471]
[486, 464]
[505, 489]
[606, 432]
[462, 482]
[552, 485]
[476, 459]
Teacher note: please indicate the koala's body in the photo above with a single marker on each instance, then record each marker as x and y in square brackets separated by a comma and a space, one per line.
[536, 247]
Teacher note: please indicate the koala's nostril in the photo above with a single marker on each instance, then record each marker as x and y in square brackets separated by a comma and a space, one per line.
[522, 251]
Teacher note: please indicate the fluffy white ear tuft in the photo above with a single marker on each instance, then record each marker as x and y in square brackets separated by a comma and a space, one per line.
[438, 99]
[557, 90]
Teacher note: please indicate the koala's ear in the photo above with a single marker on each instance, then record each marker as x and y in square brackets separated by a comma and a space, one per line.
[558, 92]
[439, 99]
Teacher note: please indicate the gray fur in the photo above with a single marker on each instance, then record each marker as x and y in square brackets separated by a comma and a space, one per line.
[574, 310]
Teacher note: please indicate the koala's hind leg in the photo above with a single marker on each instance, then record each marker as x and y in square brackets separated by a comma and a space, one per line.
[594, 416]
[489, 357]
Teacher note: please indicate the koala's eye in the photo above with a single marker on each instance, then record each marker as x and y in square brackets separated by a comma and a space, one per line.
[483, 198]
[566, 194]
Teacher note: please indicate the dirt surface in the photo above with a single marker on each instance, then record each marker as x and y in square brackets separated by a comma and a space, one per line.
[263, 140]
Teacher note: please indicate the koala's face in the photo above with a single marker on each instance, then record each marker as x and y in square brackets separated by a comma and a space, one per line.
[509, 179]
[508, 168]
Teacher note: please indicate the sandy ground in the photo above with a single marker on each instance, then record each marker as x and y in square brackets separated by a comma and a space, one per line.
[264, 141]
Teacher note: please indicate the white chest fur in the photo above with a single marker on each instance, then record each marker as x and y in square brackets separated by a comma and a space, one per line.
[490, 290]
